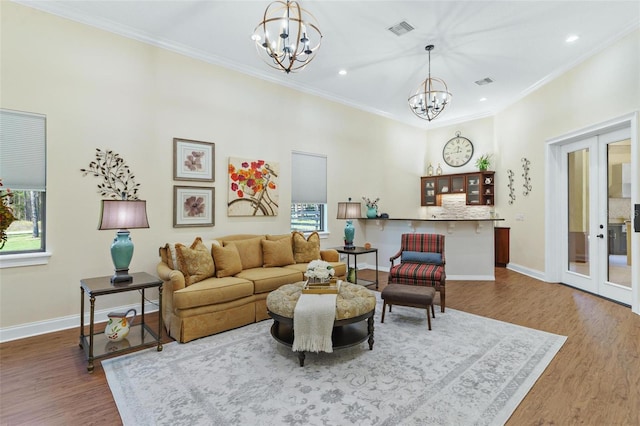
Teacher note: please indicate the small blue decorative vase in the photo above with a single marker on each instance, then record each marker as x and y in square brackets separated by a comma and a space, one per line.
[372, 212]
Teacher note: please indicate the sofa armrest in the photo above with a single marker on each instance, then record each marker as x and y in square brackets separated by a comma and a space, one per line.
[330, 255]
[168, 275]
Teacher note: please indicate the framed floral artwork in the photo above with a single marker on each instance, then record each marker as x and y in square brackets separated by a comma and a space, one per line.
[193, 206]
[193, 160]
[253, 187]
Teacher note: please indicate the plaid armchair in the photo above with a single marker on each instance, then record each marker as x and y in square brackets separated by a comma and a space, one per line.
[422, 261]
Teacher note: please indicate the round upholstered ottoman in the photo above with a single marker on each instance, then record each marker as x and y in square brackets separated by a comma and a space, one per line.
[354, 305]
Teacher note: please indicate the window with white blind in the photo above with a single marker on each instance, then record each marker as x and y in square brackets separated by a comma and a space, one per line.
[308, 192]
[23, 174]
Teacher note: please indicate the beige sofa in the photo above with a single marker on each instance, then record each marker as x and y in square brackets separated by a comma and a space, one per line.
[214, 286]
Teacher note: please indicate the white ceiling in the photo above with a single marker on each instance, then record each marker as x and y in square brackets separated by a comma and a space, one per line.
[518, 44]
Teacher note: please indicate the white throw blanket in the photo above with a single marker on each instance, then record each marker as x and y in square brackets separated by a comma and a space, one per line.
[313, 319]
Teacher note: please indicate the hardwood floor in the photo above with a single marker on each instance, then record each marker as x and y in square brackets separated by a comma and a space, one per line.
[593, 380]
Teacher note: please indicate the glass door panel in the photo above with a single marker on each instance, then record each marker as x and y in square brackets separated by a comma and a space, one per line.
[578, 212]
[618, 270]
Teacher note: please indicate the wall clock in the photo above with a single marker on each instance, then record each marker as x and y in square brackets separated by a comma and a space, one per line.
[457, 151]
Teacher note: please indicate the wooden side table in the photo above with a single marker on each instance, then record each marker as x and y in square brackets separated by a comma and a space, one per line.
[355, 252]
[96, 345]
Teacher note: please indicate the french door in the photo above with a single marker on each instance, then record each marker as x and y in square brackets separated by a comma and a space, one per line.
[595, 212]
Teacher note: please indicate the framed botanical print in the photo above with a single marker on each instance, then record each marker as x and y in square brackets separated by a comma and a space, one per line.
[193, 206]
[193, 160]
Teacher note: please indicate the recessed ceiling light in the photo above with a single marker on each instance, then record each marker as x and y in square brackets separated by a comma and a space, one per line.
[483, 99]
[571, 38]
[342, 72]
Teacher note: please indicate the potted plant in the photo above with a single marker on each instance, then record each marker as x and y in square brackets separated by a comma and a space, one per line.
[483, 162]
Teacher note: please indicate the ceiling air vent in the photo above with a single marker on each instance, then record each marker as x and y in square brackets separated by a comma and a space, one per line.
[401, 28]
[484, 81]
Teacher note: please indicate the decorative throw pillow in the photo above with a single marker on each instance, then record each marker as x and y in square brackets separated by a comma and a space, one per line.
[421, 257]
[227, 260]
[306, 250]
[250, 252]
[195, 262]
[277, 253]
[168, 255]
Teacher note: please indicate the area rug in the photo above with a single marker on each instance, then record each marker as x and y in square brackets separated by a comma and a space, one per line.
[467, 370]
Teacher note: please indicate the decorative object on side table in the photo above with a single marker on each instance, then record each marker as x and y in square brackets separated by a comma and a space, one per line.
[119, 325]
[372, 207]
[483, 162]
[439, 170]
[123, 212]
[430, 170]
[123, 215]
[349, 210]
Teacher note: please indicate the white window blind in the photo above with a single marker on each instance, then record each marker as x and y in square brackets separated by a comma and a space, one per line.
[22, 150]
[309, 178]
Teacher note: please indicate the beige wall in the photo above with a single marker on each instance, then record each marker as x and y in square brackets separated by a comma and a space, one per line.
[100, 90]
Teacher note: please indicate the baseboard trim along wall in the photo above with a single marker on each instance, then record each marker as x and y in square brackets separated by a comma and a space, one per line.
[64, 323]
[538, 275]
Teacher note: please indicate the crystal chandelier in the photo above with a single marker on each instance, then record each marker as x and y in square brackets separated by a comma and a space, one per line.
[431, 97]
[288, 36]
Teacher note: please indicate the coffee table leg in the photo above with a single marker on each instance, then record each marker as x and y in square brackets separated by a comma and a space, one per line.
[370, 329]
[301, 358]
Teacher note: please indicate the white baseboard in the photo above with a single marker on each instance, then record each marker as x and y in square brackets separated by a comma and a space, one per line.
[22, 331]
[533, 273]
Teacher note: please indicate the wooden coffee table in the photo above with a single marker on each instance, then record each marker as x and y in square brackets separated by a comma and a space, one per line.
[347, 332]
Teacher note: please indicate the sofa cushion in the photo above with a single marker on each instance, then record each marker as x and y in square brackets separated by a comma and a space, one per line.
[279, 237]
[277, 253]
[227, 260]
[250, 251]
[306, 250]
[268, 279]
[212, 291]
[195, 262]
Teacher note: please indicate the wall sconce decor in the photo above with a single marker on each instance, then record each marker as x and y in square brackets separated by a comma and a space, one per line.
[525, 175]
[512, 194]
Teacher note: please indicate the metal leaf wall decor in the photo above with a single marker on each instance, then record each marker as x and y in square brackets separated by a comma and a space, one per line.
[512, 193]
[525, 175]
[117, 179]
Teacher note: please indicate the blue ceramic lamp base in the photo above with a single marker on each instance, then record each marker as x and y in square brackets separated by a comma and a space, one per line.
[121, 254]
[349, 234]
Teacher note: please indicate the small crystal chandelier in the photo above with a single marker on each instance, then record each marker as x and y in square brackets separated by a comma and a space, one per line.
[431, 97]
[288, 36]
